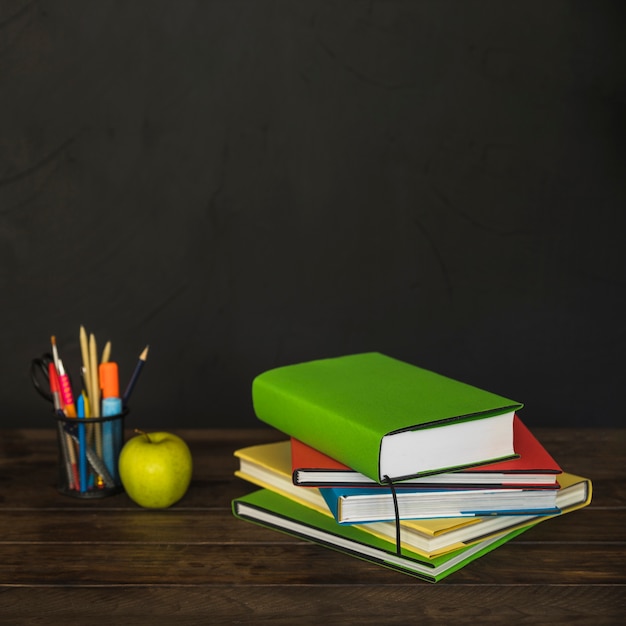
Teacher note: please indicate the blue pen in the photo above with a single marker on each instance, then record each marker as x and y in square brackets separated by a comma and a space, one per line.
[82, 444]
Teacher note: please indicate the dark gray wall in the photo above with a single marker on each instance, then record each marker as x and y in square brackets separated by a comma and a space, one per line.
[251, 183]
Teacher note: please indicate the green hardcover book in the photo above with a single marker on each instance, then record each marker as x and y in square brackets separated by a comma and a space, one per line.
[385, 418]
[274, 511]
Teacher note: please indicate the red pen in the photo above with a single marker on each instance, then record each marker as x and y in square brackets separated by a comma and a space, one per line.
[66, 392]
[55, 390]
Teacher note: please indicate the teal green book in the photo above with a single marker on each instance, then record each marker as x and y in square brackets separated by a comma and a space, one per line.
[277, 512]
[386, 418]
[361, 505]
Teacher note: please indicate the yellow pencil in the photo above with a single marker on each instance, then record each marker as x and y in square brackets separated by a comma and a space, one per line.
[94, 400]
[84, 350]
[106, 353]
[94, 403]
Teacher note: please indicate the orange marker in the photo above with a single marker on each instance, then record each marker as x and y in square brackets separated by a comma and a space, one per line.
[111, 405]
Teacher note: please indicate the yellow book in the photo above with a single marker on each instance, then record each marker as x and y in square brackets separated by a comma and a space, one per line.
[269, 466]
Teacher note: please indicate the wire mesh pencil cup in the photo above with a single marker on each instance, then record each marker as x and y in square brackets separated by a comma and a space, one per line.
[89, 450]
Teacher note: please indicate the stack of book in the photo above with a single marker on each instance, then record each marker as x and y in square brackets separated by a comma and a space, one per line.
[398, 465]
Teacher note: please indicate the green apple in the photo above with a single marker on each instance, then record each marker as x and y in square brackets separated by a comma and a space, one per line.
[155, 469]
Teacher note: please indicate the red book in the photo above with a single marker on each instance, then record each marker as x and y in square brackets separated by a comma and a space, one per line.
[533, 468]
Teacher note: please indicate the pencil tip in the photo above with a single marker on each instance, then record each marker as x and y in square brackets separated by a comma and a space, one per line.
[53, 340]
[144, 355]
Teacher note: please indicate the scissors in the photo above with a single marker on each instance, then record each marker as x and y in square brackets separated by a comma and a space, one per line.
[40, 377]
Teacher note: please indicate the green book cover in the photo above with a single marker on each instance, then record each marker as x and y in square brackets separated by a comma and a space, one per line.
[274, 511]
[382, 416]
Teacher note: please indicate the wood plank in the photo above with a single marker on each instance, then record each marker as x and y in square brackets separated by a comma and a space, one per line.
[292, 562]
[29, 465]
[283, 605]
[204, 492]
[218, 525]
[607, 447]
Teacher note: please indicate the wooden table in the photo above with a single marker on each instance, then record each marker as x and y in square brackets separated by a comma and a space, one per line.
[108, 561]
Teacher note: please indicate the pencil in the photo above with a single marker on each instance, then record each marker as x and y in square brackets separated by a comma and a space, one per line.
[55, 352]
[64, 438]
[82, 443]
[84, 351]
[133, 379]
[106, 353]
[94, 400]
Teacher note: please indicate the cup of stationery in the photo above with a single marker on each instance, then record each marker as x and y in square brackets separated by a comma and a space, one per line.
[90, 425]
[89, 447]
[89, 450]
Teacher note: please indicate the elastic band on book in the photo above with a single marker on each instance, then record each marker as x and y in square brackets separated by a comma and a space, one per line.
[397, 513]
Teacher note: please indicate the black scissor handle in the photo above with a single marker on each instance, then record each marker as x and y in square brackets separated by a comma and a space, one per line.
[39, 376]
